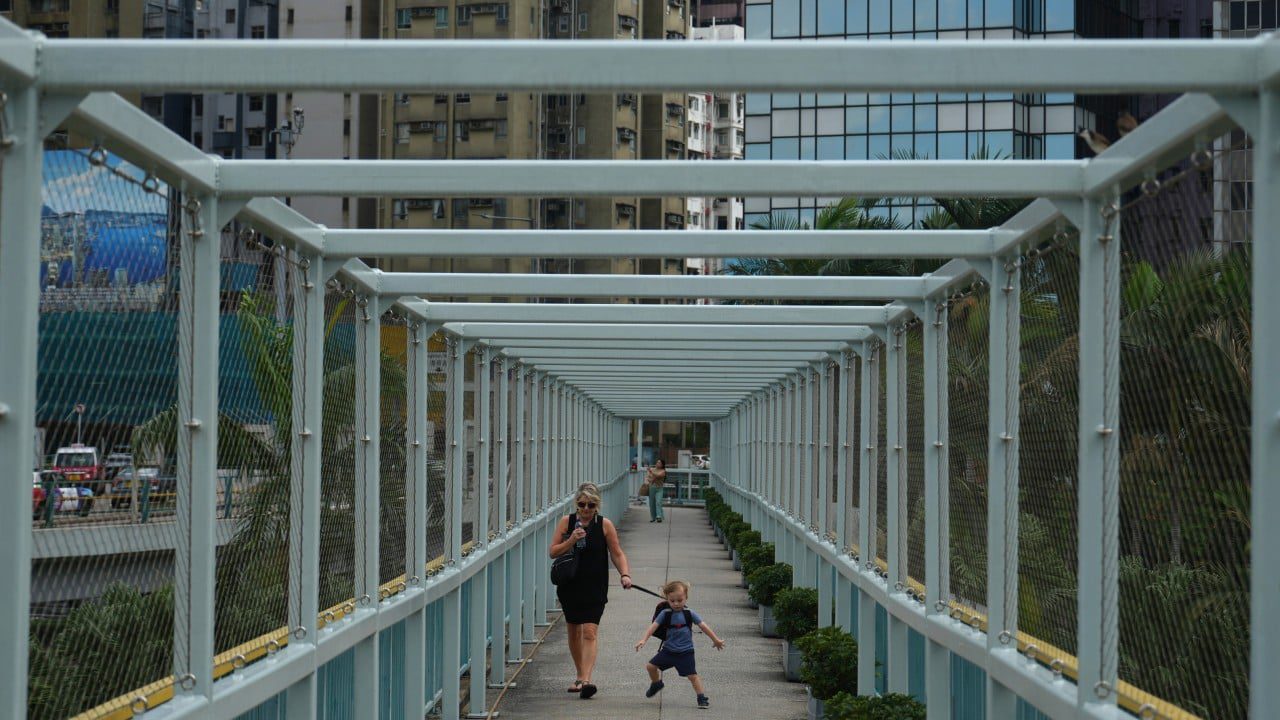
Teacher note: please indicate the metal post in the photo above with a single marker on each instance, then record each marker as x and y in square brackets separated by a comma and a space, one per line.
[304, 490]
[415, 565]
[842, 453]
[933, 315]
[527, 549]
[484, 445]
[455, 448]
[515, 588]
[451, 700]
[498, 610]
[194, 556]
[1099, 452]
[895, 502]
[480, 581]
[367, 495]
[20, 203]
[824, 451]
[869, 394]
[479, 641]
[1264, 647]
[1002, 474]
[807, 450]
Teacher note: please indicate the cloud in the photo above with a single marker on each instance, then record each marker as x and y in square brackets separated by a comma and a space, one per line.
[71, 184]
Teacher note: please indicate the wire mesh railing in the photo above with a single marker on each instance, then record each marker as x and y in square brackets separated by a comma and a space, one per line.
[967, 352]
[393, 461]
[1185, 386]
[101, 609]
[339, 436]
[1048, 455]
[255, 386]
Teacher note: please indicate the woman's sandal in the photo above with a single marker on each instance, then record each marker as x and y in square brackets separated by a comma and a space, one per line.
[576, 687]
[587, 691]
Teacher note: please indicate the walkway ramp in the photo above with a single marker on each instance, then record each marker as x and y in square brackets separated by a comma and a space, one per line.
[743, 681]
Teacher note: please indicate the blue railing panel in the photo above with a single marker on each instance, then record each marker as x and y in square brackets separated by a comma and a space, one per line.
[336, 688]
[273, 709]
[391, 673]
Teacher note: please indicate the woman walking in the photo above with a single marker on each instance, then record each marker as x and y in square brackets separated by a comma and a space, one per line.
[656, 476]
[583, 598]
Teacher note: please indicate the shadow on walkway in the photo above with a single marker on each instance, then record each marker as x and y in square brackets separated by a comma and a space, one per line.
[743, 681]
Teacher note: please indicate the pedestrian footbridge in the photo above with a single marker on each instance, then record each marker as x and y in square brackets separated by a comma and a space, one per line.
[1023, 461]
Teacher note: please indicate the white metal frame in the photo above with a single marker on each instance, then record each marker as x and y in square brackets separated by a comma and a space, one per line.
[761, 401]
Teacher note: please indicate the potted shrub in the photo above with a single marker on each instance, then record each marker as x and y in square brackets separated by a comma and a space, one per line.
[755, 558]
[766, 583]
[829, 665]
[795, 611]
[745, 540]
[894, 706]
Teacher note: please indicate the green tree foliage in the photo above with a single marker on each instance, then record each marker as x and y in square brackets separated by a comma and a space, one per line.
[894, 706]
[104, 648]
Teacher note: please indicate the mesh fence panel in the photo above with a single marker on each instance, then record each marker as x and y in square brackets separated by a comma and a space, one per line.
[1048, 446]
[471, 457]
[853, 440]
[515, 448]
[338, 460]
[1185, 389]
[102, 619]
[967, 425]
[436, 477]
[393, 451]
[495, 451]
[914, 452]
[255, 387]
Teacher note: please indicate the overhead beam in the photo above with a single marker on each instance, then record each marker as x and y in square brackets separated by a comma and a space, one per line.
[658, 243]
[449, 312]
[737, 347]
[853, 289]
[1086, 66]
[1163, 139]
[656, 178]
[127, 131]
[764, 334]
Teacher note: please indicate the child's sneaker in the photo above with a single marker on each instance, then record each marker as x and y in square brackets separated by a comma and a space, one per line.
[654, 688]
[704, 702]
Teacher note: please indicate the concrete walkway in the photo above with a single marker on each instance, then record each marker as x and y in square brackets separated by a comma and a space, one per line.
[743, 681]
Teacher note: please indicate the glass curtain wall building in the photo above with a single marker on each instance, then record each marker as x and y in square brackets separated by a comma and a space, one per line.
[833, 126]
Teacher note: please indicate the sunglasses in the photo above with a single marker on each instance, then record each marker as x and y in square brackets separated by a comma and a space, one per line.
[587, 505]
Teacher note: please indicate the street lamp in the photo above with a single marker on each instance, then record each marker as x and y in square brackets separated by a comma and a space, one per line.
[287, 134]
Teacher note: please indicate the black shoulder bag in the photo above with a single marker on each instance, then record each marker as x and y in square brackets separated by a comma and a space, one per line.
[565, 567]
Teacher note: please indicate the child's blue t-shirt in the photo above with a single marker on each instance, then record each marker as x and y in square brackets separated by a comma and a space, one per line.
[680, 631]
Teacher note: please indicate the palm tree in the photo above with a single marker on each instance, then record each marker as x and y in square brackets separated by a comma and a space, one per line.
[253, 567]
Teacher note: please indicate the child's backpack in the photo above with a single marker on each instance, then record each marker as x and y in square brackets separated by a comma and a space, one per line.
[661, 632]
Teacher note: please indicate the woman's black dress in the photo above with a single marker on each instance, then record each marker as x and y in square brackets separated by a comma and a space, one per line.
[584, 598]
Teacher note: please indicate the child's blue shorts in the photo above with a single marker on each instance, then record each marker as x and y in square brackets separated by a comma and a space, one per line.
[682, 662]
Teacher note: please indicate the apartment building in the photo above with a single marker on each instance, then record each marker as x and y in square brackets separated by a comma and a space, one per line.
[522, 125]
[313, 125]
[116, 19]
